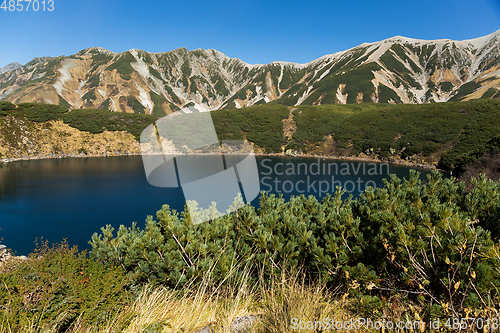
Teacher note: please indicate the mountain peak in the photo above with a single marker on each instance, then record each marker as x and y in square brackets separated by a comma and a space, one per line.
[479, 42]
[10, 67]
[476, 42]
[94, 50]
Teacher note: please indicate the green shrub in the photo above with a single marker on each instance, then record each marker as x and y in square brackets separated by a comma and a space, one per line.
[90, 95]
[173, 251]
[446, 86]
[39, 112]
[483, 204]
[94, 81]
[98, 121]
[58, 287]
[64, 103]
[104, 105]
[465, 89]
[426, 243]
[422, 242]
[99, 58]
[6, 106]
[448, 129]
[260, 124]
[135, 104]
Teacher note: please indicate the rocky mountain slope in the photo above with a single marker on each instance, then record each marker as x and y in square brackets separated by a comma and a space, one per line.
[22, 139]
[10, 67]
[395, 70]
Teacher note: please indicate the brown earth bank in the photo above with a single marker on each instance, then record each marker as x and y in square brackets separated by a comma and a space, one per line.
[25, 140]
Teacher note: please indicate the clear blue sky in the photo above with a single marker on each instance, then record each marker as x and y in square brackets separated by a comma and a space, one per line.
[255, 31]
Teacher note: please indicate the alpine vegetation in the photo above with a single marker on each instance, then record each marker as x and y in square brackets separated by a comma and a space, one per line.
[431, 245]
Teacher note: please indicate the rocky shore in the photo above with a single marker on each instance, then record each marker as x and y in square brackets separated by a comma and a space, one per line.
[359, 159]
[5, 255]
[58, 156]
[348, 158]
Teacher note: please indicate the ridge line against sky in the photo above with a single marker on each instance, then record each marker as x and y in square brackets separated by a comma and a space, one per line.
[281, 61]
[257, 32]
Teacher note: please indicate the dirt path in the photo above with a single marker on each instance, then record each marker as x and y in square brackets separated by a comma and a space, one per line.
[289, 128]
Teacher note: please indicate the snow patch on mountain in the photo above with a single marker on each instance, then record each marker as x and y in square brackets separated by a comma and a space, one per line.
[325, 73]
[63, 77]
[341, 95]
[143, 98]
[279, 79]
[141, 68]
[80, 93]
[380, 50]
[304, 95]
[478, 43]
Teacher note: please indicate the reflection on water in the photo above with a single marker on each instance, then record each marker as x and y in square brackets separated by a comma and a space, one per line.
[73, 198]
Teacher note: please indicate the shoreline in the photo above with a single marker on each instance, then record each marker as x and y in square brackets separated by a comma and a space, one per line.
[358, 159]
[60, 156]
[347, 158]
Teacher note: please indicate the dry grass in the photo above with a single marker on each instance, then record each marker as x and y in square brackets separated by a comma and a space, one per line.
[291, 296]
[163, 310]
[275, 303]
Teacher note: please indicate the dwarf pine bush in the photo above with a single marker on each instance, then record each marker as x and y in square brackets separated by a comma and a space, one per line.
[429, 243]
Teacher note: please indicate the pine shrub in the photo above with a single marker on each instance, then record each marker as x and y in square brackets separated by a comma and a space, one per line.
[428, 243]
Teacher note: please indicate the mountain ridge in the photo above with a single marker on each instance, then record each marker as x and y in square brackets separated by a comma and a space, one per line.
[394, 70]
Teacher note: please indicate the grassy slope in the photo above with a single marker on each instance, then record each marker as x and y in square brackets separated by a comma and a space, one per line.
[438, 133]
[430, 133]
[259, 124]
[434, 132]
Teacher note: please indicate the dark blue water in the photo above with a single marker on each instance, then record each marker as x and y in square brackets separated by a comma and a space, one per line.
[73, 198]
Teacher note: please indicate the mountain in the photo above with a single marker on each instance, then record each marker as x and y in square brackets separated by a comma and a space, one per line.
[10, 67]
[395, 70]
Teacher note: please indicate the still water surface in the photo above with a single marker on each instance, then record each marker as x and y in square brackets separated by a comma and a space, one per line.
[73, 198]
